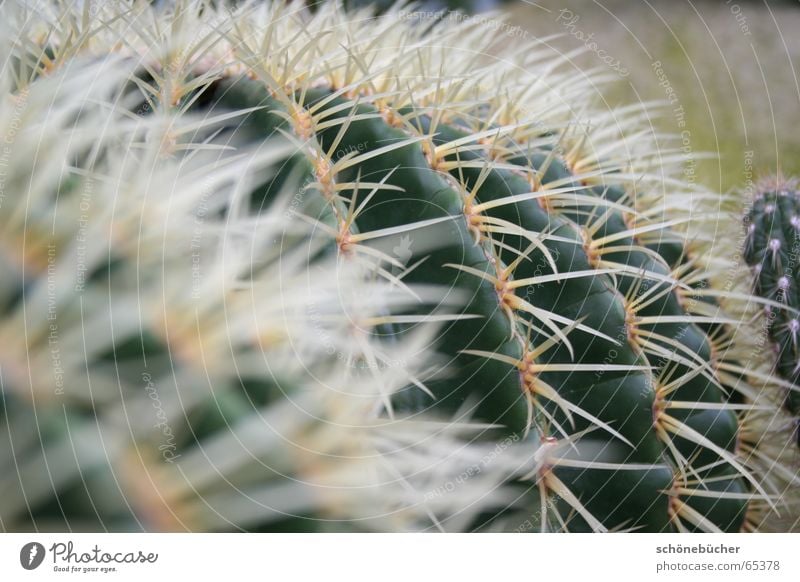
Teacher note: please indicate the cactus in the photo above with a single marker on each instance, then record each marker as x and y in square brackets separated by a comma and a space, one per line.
[146, 385]
[771, 226]
[771, 249]
[464, 6]
[579, 318]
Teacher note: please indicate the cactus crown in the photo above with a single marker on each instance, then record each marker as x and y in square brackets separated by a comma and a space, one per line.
[549, 242]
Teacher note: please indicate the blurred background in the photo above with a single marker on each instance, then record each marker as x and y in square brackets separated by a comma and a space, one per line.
[729, 69]
[725, 67]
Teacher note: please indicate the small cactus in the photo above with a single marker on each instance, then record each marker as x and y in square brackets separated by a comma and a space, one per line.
[432, 206]
[772, 249]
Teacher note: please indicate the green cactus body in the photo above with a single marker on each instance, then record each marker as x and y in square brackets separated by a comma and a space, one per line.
[574, 319]
[516, 365]
[771, 248]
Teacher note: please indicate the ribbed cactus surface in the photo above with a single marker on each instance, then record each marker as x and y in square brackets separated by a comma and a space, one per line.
[771, 244]
[772, 248]
[482, 195]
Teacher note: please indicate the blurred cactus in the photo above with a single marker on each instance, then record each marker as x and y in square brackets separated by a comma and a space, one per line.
[169, 365]
[463, 6]
[384, 237]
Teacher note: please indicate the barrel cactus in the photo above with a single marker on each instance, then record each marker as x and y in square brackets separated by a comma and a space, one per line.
[553, 247]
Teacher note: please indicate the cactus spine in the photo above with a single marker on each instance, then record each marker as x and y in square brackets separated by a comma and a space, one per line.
[585, 329]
